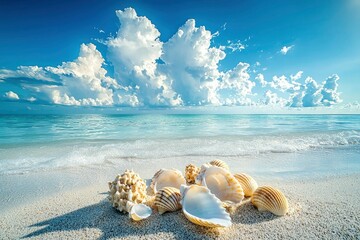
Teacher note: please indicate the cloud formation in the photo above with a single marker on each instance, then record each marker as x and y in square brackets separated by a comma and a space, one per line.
[183, 71]
[284, 50]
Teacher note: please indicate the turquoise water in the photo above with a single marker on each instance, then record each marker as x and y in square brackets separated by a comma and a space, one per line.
[40, 142]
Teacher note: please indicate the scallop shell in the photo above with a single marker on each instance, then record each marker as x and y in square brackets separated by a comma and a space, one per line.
[247, 183]
[168, 199]
[219, 163]
[138, 212]
[191, 172]
[202, 207]
[167, 178]
[270, 199]
[127, 187]
[221, 183]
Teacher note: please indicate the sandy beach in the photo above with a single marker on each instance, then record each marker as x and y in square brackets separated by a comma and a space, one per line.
[74, 205]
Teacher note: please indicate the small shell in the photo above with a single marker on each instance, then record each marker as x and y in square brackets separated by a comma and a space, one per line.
[247, 183]
[168, 199]
[191, 172]
[270, 199]
[219, 163]
[202, 207]
[138, 212]
[221, 183]
[167, 178]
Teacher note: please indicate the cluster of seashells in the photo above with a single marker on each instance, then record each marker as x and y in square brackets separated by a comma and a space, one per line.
[207, 194]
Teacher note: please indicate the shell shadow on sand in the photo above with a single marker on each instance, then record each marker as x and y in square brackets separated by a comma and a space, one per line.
[113, 224]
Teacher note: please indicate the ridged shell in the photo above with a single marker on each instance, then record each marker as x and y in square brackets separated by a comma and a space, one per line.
[202, 207]
[219, 163]
[248, 184]
[191, 172]
[138, 212]
[270, 199]
[221, 183]
[167, 178]
[168, 199]
[126, 187]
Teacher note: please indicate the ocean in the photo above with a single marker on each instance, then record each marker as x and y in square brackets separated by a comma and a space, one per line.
[30, 143]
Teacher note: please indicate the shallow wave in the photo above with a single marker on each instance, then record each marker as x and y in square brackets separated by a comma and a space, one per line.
[45, 156]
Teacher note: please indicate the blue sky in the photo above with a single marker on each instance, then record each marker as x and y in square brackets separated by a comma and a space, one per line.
[72, 56]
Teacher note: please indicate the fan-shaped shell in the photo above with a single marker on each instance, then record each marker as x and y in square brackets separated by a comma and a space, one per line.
[191, 172]
[168, 199]
[221, 183]
[167, 178]
[138, 212]
[202, 207]
[248, 184]
[219, 163]
[270, 199]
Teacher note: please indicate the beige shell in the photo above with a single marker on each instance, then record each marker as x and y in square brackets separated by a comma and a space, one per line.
[168, 199]
[270, 199]
[202, 207]
[191, 172]
[127, 187]
[248, 184]
[167, 178]
[220, 163]
[138, 211]
[221, 183]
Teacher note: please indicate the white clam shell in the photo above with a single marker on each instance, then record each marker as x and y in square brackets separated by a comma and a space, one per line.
[138, 212]
[202, 207]
[168, 200]
[167, 178]
[248, 184]
[221, 183]
[270, 199]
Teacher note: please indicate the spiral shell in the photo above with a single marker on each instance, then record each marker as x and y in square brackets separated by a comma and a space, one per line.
[202, 207]
[221, 183]
[127, 187]
[247, 183]
[191, 172]
[270, 199]
[219, 163]
[168, 199]
[167, 178]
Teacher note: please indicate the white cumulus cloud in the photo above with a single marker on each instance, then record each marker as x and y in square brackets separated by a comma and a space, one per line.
[284, 50]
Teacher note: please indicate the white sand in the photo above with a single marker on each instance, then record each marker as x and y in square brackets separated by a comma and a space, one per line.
[327, 208]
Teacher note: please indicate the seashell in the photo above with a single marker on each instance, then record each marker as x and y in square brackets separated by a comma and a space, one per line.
[202, 207]
[126, 187]
[138, 212]
[219, 163]
[270, 199]
[221, 183]
[168, 199]
[191, 171]
[247, 183]
[167, 178]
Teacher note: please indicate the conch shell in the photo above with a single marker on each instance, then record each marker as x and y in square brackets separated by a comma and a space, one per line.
[168, 199]
[270, 199]
[247, 183]
[202, 207]
[221, 183]
[167, 178]
[219, 163]
[127, 187]
[138, 212]
[191, 172]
